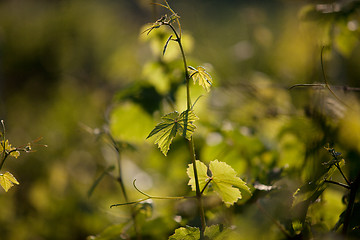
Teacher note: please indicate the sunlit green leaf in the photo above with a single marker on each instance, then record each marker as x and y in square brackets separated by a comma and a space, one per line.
[186, 233]
[129, 122]
[214, 232]
[223, 179]
[6, 147]
[201, 172]
[157, 75]
[217, 232]
[7, 181]
[173, 123]
[15, 154]
[200, 75]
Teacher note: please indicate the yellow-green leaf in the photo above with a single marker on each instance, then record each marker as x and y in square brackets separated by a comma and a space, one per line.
[7, 180]
[172, 124]
[200, 75]
[6, 147]
[15, 154]
[214, 232]
[223, 179]
[186, 233]
[201, 172]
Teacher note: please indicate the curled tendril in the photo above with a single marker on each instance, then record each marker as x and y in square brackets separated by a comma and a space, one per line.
[147, 197]
[326, 83]
[137, 189]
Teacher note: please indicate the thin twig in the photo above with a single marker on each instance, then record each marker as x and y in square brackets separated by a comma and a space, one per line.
[323, 85]
[148, 196]
[338, 183]
[307, 85]
[342, 174]
[325, 78]
[207, 183]
[277, 223]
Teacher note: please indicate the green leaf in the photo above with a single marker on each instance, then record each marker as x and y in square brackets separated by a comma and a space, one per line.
[200, 75]
[7, 181]
[173, 123]
[186, 233]
[214, 232]
[202, 175]
[224, 180]
[6, 147]
[111, 233]
[130, 123]
[311, 191]
[217, 232]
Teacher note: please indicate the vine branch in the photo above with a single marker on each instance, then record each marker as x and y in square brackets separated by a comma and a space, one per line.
[165, 20]
[338, 183]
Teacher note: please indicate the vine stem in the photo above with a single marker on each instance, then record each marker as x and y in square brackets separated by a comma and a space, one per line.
[3, 159]
[122, 185]
[277, 223]
[342, 174]
[190, 141]
[325, 78]
[3, 154]
[337, 183]
[198, 193]
[354, 186]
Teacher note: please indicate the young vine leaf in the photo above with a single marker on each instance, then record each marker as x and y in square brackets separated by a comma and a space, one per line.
[214, 232]
[202, 175]
[6, 148]
[7, 180]
[223, 179]
[217, 232]
[200, 75]
[173, 123]
[186, 233]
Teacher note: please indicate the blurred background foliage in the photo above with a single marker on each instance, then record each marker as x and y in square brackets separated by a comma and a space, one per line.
[72, 69]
